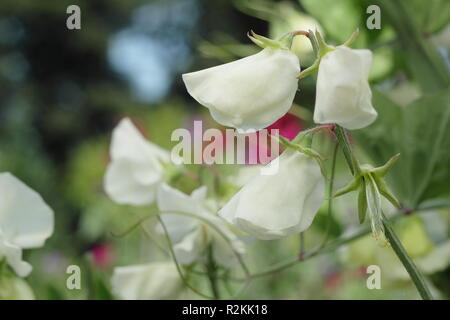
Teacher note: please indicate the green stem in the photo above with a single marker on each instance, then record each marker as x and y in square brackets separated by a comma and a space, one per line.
[330, 196]
[177, 264]
[211, 268]
[407, 262]
[345, 145]
[398, 248]
[332, 246]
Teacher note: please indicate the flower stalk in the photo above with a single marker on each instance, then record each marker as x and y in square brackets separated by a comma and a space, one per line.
[397, 246]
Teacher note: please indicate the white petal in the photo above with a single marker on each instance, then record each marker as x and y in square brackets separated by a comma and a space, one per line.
[188, 249]
[135, 170]
[248, 94]
[153, 281]
[123, 187]
[225, 250]
[172, 200]
[343, 95]
[26, 220]
[13, 255]
[189, 234]
[128, 143]
[275, 206]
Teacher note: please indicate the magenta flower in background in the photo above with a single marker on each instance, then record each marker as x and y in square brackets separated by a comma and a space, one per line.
[289, 126]
[102, 255]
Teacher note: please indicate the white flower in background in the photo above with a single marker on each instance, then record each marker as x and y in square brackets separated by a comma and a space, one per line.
[26, 221]
[248, 94]
[191, 235]
[275, 206]
[343, 95]
[153, 281]
[14, 288]
[136, 167]
[289, 18]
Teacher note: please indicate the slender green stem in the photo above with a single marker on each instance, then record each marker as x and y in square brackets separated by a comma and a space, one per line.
[177, 265]
[407, 262]
[398, 248]
[330, 196]
[325, 249]
[211, 268]
[345, 145]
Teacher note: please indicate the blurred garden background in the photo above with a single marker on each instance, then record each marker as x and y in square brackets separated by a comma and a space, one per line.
[63, 91]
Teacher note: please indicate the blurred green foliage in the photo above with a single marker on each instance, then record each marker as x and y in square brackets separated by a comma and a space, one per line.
[60, 98]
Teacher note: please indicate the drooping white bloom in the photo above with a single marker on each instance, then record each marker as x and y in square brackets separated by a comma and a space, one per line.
[136, 169]
[26, 221]
[248, 94]
[153, 281]
[275, 206]
[191, 234]
[343, 95]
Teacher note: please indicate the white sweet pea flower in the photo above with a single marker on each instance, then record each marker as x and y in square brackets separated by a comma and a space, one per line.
[136, 169]
[153, 281]
[343, 95]
[275, 206]
[26, 221]
[248, 94]
[192, 234]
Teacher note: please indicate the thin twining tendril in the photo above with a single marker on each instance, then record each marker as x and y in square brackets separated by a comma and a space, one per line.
[206, 221]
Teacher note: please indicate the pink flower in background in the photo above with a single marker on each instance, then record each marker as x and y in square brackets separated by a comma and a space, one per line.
[333, 281]
[289, 126]
[102, 255]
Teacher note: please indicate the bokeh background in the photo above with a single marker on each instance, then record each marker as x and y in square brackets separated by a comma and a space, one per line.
[63, 91]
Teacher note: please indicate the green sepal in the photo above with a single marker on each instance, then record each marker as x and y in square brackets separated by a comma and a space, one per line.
[264, 42]
[362, 203]
[380, 172]
[324, 48]
[308, 151]
[386, 192]
[352, 38]
[352, 186]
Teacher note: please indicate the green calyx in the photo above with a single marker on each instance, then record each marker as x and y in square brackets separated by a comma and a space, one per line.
[371, 185]
[283, 43]
[321, 48]
[295, 145]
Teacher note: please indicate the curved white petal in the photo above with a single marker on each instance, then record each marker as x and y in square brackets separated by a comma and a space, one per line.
[13, 255]
[188, 249]
[343, 95]
[26, 220]
[172, 200]
[128, 143]
[248, 94]
[190, 234]
[225, 250]
[123, 187]
[153, 281]
[135, 170]
[275, 206]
